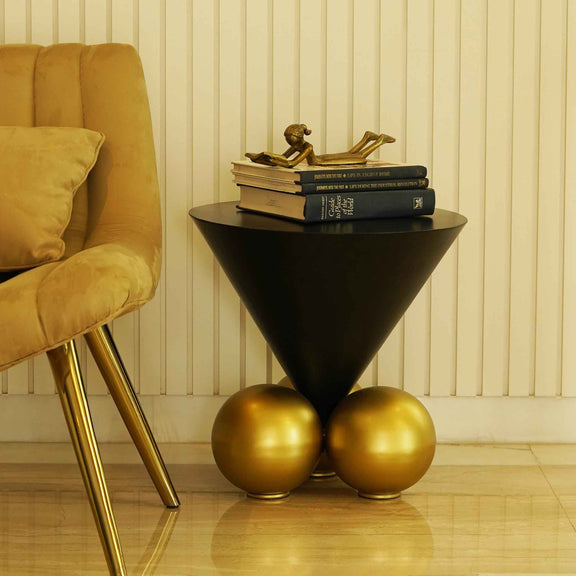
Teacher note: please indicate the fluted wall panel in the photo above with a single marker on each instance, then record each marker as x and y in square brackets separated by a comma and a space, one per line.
[481, 91]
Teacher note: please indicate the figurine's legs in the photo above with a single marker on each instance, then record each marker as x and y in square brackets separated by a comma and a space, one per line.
[377, 141]
[368, 137]
[382, 139]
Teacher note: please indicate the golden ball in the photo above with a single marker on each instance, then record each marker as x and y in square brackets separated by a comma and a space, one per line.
[266, 440]
[380, 440]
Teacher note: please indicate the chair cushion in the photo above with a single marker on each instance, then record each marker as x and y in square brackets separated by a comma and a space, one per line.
[40, 171]
[48, 305]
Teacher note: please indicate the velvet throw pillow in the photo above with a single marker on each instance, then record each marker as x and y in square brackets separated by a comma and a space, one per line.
[40, 171]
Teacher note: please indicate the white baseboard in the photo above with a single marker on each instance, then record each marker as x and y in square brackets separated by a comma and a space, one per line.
[189, 419]
[507, 419]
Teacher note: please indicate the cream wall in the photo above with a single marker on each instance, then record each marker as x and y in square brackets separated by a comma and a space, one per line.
[482, 92]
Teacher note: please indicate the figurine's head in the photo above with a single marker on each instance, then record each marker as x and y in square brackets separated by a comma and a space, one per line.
[295, 133]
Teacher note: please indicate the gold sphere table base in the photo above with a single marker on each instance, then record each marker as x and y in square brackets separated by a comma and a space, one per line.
[380, 441]
[324, 469]
[266, 439]
[326, 295]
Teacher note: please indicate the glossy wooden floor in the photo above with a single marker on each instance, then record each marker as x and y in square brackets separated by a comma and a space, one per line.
[479, 510]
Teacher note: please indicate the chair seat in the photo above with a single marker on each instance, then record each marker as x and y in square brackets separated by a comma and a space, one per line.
[49, 305]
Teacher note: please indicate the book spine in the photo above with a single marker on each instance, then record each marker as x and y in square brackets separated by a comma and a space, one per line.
[406, 183]
[364, 205]
[391, 173]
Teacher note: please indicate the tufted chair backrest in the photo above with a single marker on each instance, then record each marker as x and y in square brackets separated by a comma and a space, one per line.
[102, 88]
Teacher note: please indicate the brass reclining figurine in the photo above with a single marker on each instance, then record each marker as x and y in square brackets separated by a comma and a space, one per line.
[294, 135]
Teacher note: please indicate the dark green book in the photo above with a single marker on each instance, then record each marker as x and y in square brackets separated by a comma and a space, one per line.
[364, 185]
[332, 186]
[336, 206]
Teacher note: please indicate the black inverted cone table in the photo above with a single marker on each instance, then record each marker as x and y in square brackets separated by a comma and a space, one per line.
[326, 296]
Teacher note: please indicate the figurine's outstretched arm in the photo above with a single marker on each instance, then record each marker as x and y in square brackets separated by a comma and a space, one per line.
[271, 159]
[289, 152]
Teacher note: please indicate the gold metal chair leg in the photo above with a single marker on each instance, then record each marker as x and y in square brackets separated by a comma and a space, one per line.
[108, 359]
[66, 370]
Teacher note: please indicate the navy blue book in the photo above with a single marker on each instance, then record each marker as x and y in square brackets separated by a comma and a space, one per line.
[304, 173]
[338, 206]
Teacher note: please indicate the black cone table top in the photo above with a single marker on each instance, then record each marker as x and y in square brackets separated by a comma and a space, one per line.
[326, 296]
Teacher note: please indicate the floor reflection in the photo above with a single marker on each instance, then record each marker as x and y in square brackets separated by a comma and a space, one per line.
[310, 529]
[52, 532]
[458, 521]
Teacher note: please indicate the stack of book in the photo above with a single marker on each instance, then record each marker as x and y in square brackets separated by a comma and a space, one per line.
[334, 193]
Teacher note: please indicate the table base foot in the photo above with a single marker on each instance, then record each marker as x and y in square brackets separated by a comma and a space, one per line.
[323, 469]
[274, 496]
[388, 496]
[322, 474]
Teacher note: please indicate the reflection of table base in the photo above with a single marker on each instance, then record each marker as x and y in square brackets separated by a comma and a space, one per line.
[299, 536]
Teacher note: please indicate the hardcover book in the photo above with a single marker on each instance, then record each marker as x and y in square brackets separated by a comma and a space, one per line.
[304, 173]
[332, 186]
[336, 206]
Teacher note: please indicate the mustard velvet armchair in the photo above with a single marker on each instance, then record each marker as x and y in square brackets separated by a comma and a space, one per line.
[113, 246]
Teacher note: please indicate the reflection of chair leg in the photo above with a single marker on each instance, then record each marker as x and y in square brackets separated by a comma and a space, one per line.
[110, 364]
[66, 370]
[158, 543]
